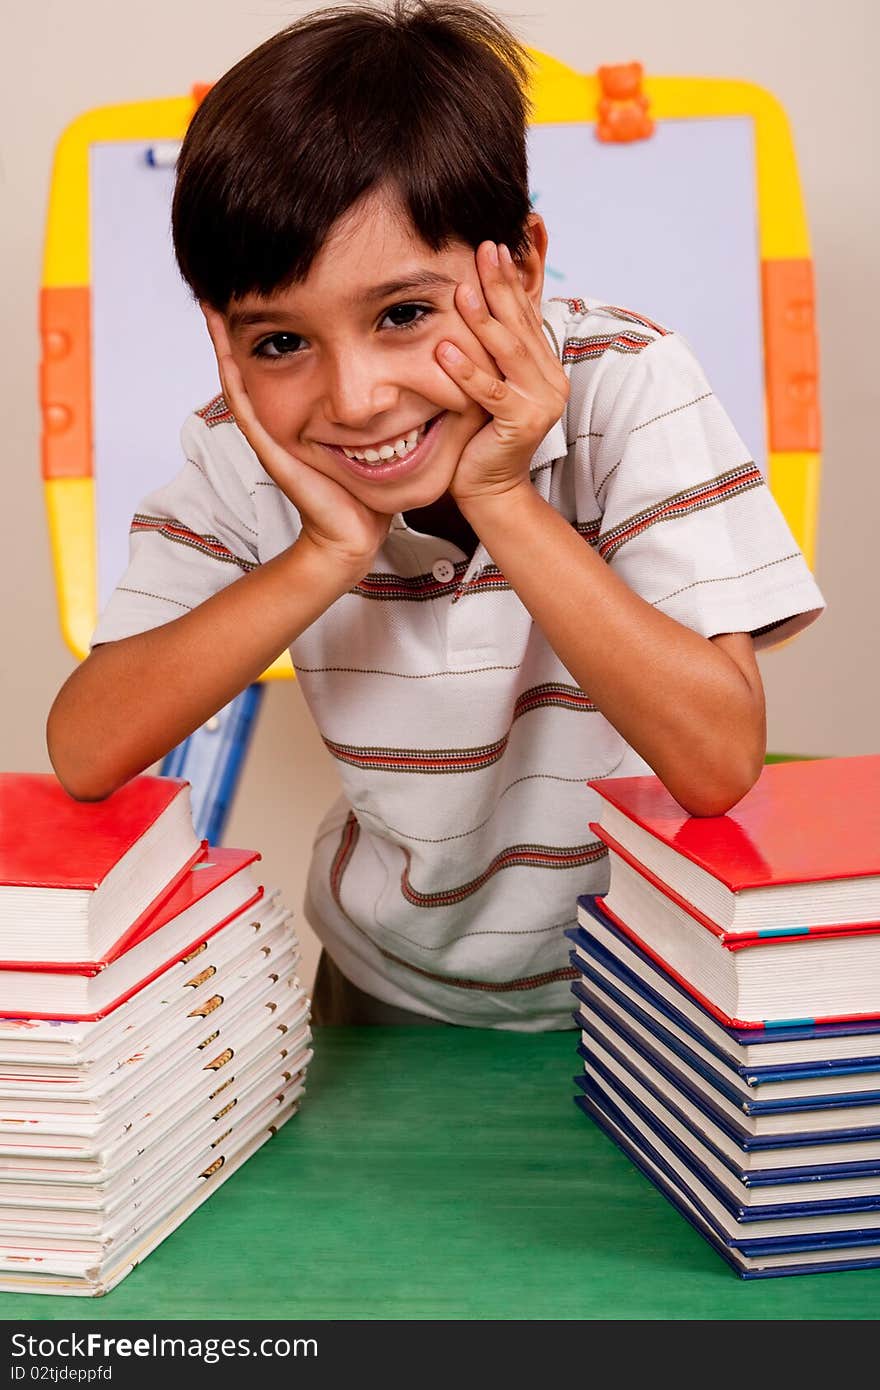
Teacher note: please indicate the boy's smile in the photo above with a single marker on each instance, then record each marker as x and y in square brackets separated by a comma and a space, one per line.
[395, 458]
[341, 367]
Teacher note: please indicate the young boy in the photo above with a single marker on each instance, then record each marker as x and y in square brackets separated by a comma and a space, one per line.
[511, 546]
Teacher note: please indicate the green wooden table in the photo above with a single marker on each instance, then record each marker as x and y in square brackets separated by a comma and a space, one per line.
[445, 1173]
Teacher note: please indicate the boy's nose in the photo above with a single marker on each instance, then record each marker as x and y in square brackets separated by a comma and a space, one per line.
[355, 397]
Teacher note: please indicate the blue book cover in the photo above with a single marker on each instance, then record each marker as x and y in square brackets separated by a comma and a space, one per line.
[803, 1089]
[749, 1259]
[721, 1080]
[796, 1180]
[771, 1229]
[729, 1195]
[795, 1129]
[747, 1150]
[743, 1150]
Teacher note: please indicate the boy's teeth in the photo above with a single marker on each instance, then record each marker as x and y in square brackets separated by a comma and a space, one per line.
[399, 449]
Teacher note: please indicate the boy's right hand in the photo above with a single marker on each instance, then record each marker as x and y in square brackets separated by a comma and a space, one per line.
[347, 533]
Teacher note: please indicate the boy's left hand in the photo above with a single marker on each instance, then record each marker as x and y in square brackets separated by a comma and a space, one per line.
[526, 392]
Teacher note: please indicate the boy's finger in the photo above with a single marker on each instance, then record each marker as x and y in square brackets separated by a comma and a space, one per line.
[503, 400]
[222, 350]
[516, 353]
[276, 461]
[509, 302]
[504, 289]
[234, 390]
[283, 468]
[216, 329]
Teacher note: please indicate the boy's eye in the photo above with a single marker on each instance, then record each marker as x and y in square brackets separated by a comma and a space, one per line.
[407, 315]
[278, 345]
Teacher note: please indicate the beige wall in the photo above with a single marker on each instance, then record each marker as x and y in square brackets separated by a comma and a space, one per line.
[65, 56]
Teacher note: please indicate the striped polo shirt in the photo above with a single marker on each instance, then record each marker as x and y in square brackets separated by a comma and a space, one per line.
[443, 879]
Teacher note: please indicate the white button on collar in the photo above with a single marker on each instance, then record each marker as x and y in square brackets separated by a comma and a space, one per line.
[443, 571]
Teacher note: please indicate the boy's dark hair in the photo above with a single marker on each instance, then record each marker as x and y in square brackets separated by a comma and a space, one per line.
[425, 97]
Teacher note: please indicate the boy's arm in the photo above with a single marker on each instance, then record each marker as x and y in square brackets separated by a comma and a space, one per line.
[692, 707]
[131, 701]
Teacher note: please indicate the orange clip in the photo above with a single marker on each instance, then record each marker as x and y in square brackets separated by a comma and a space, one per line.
[791, 356]
[623, 106]
[199, 91]
[65, 381]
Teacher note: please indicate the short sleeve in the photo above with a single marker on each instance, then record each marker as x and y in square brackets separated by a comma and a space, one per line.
[688, 520]
[188, 540]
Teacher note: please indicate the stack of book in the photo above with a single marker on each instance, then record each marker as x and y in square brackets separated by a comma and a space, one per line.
[153, 1030]
[728, 998]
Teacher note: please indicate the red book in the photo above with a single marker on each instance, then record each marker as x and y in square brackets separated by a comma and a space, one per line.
[217, 889]
[769, 914]
[800, 850]
[74, 875]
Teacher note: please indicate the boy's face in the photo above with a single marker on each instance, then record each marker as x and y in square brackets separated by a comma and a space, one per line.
[346, 359]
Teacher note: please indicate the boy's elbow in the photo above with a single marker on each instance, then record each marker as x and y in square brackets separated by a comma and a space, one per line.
[711, 801]
[84, 790]
[80, 776]
[715, 795]
[80, 783]
[729, 763]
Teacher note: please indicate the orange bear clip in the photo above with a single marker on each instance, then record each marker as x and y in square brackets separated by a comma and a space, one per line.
[623, 106]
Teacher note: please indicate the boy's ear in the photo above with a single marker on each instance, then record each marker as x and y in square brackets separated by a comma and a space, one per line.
[531, 265]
